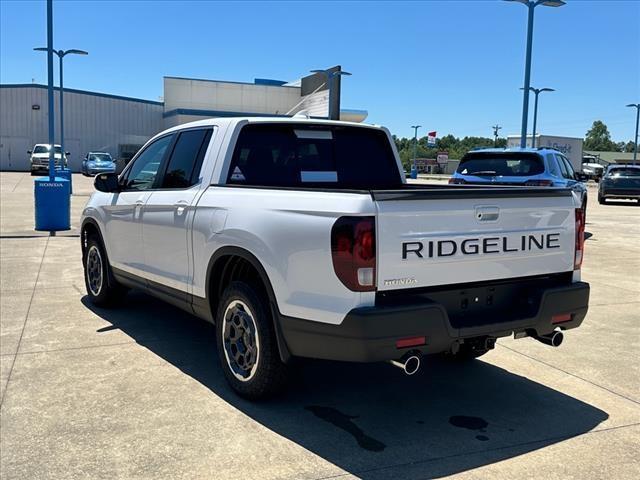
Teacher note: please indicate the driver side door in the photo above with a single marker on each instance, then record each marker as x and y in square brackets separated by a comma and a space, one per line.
[123, 215]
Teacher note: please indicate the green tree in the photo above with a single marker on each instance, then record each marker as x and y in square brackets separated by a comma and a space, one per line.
[455, 147]
[629, 147]
[598, 138]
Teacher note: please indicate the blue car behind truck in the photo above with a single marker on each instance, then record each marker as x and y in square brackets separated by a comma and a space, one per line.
[531, 167]
[98, 162]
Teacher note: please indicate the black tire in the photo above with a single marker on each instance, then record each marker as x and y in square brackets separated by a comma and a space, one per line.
[102, 288]
[247, 346]
[601, 200]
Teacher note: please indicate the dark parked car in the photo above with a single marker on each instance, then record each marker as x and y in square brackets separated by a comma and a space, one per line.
[620, 181]
[531, 167]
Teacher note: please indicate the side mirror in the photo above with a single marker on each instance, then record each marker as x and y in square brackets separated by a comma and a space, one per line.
[107, 182]
[29, 152]
[67, 153]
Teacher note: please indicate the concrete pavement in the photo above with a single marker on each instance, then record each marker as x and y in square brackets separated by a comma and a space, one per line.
[136, 392]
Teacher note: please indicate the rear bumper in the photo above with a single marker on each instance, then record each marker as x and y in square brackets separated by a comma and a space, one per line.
[620, 193]
[98, 170]
[369, 334]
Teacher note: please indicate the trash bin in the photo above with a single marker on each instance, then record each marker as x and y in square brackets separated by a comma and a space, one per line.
[414, 172]
[53, 204]
[65, 172]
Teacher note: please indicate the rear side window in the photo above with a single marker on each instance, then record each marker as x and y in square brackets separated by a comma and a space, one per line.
[492, 165]
[313, 156]
[563, 167]
[184, 164]
[554, 169]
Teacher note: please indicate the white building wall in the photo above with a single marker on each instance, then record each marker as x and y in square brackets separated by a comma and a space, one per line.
[210, 95]
[93, 122]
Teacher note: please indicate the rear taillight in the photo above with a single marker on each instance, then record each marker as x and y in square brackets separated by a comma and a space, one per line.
[353, 250]
[577, 262]
[457, 181]
[539, 183]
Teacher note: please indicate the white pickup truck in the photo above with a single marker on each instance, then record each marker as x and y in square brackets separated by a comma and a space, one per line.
[301, 238]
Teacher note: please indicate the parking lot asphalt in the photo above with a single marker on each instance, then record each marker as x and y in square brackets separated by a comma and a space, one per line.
[136, 392]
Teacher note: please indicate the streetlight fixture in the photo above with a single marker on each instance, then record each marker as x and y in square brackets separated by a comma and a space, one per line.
[333, 115]
[537, 92]
[61, 54]
[414, 168]
[635, 150]
[531, 5]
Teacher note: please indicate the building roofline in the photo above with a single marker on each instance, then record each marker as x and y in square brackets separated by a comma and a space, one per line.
[228, 81]
[83, 92]
[217, 113]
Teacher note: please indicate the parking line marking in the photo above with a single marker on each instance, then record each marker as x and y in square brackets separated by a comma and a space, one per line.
[26, 318]
[572, 375]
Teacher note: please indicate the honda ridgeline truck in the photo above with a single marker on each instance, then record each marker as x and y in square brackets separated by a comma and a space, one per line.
[301, 238]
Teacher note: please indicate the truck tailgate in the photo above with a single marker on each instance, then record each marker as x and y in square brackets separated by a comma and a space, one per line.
[453, 235]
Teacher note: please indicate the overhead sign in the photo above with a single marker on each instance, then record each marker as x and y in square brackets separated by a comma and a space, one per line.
[431, 138]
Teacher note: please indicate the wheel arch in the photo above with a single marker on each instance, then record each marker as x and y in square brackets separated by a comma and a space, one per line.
[231, 263]
[90, 227]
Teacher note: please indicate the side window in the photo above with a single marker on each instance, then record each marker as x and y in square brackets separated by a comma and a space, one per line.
[144, 170]
[569, 167]
[186, 159]
[553, 166]
[563, 167]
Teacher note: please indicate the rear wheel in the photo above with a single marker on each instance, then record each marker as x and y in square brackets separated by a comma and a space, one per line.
[246, 341]
[103, 290]
[601, 199]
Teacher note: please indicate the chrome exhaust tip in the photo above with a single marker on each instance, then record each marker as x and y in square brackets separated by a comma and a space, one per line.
[553, 339]
[409, 364]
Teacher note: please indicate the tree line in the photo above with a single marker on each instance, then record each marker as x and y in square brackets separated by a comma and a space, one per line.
[597, 138]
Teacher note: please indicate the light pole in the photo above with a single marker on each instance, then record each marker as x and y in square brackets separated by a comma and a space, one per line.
[333, 115]
[496, 128]
[537, 92]
[531, 5]
[61, 54]
[414, 168]
[635, 150]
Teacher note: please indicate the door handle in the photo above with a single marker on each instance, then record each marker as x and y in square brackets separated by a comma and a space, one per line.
[181, 207]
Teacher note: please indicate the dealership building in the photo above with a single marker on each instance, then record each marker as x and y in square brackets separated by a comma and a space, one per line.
[100, 122]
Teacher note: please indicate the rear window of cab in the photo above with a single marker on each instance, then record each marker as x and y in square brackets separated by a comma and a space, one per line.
[313, 156]
[496, 165]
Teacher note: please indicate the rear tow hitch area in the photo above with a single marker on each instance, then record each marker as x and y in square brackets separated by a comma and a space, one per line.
[481, 344]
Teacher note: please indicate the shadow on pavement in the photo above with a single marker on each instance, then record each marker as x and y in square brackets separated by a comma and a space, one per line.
[371, 420]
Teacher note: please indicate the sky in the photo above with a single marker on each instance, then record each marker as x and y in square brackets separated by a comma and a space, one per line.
[450, 66]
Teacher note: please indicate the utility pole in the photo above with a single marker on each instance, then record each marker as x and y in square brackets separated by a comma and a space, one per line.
[635, 139]
[496, 127]
[531, 5]
[414, 168]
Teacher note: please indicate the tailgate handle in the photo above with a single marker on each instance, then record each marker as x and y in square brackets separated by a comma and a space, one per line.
[487, 213]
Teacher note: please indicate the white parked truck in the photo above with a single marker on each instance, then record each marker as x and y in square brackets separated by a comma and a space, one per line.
[570, 147]
[301, 238]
